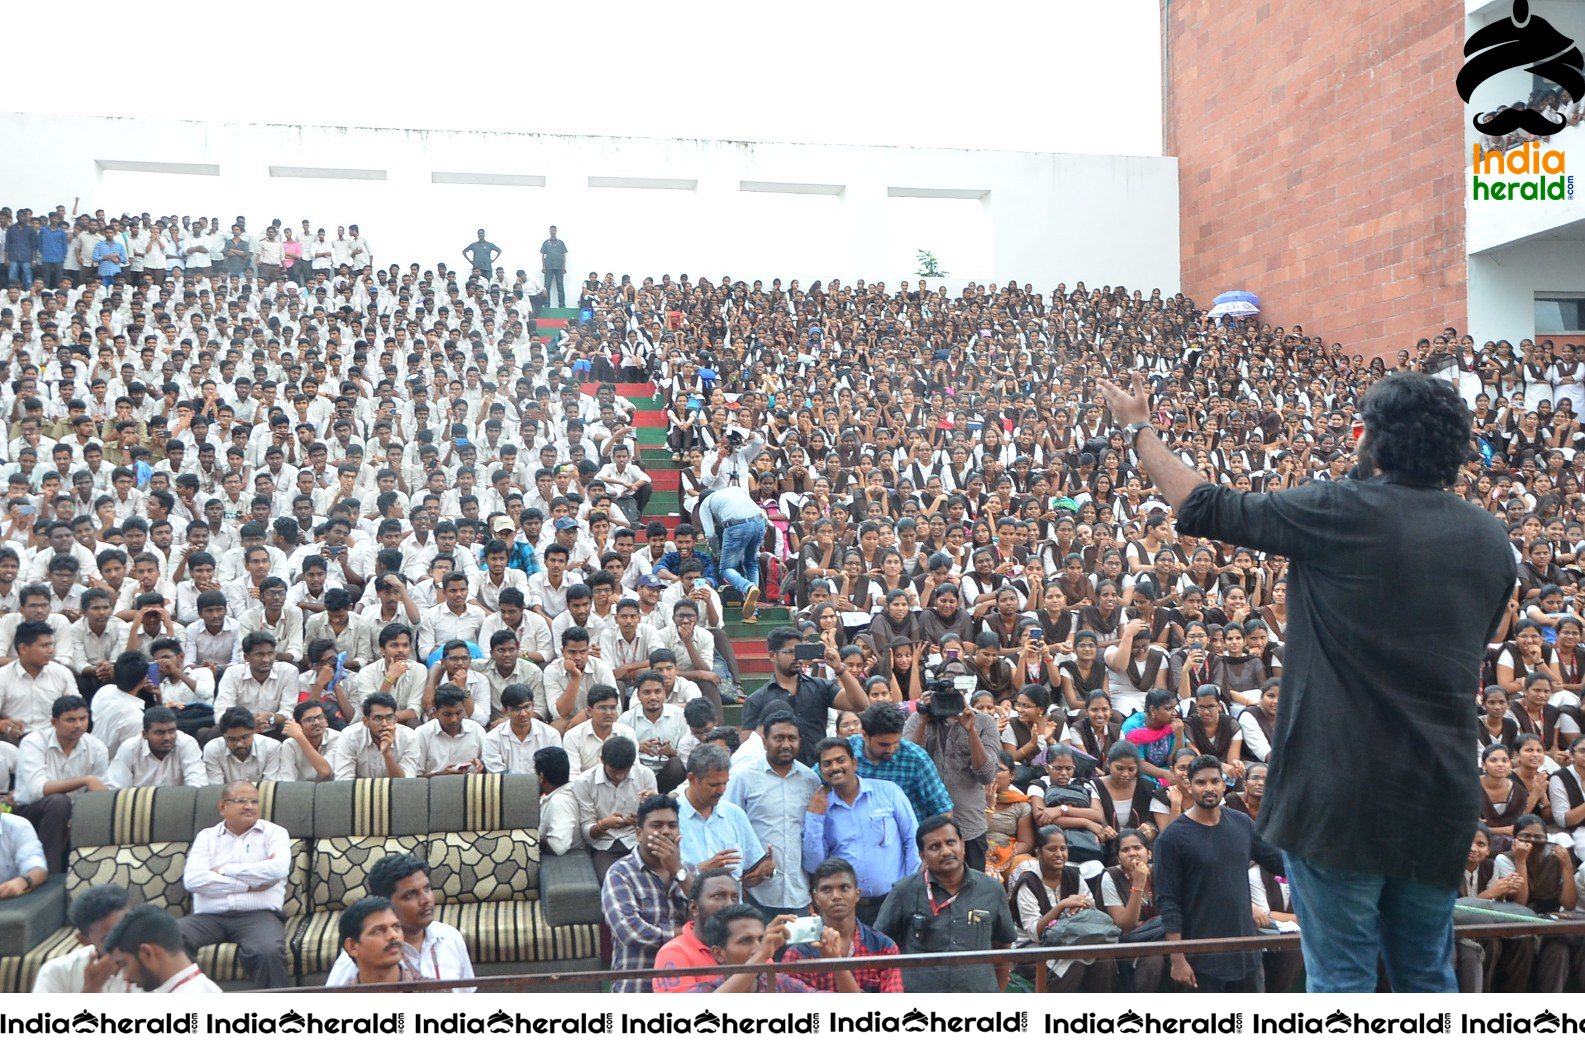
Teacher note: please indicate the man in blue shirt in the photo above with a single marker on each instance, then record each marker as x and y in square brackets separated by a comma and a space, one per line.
[716, 833]
[867, 822]
[22, 240]
[110, 256]
[774, 790]
[669, 567]
[53, 241]
[22, 865]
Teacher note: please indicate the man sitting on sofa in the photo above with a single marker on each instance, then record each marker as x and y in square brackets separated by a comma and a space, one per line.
[236, 872]
[432, 950]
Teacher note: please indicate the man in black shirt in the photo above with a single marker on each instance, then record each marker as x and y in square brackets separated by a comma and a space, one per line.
[1381, 663]
[1202, 883]
[811, 699]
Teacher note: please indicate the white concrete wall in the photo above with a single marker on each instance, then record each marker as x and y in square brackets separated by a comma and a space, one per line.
[1504, 283]
[1035, 217]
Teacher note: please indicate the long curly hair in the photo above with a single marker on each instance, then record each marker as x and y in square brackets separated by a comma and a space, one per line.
[1416, 426]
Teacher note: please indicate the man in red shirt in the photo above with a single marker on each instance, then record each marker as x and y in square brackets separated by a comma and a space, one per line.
[836, 896]
[712, 891]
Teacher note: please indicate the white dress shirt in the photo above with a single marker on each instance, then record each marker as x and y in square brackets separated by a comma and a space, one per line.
[439, 625]
[29, 698]
[91, 648]
[558, 821]
[225, 871]
[505, 753]
[65, 974]
[583, 747]
[670, 727]
[355, 757]
[408, 690]
[595, 672]
[118, 717]
[136, 766]
[598, 798]
[263, 761]
[294, 764]
[239, 688]
[439, 749]
[190, 981]
[40, 760]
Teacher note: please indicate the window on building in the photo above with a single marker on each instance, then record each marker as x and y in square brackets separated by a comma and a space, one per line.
[1560, 313]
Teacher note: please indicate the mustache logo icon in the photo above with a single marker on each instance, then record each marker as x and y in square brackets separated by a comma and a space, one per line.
[1528, 42]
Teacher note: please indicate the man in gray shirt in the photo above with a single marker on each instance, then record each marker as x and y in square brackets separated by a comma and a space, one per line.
[553, 256]
[948, 907]
[964, 744]
[482, 255]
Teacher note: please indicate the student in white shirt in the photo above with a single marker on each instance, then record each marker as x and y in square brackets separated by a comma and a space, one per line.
[584, 740]
[309, 743]
[511, 746]
[431, 950]
[450, 742]
[89, 968]
[558, 810]
[161, 756]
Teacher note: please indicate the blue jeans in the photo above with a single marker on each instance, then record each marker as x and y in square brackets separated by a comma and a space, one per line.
[1348, 919]
[19, 274]
[740, 554]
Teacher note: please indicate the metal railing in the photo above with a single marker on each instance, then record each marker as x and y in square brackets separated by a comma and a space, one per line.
[1281, 942]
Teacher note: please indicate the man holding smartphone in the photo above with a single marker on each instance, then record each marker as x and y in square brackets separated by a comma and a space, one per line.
[811, 699]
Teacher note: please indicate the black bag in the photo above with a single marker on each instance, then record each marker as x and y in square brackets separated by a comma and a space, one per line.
[1149, 930]
[1090, 926]
[195, 718]
[1082, 845]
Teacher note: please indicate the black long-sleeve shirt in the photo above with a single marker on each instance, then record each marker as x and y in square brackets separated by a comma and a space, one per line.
[1202, 885]
[1393, 591]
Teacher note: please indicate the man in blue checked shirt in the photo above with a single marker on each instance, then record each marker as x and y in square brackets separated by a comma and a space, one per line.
[111, 255]
[882, 754]
[865, 821]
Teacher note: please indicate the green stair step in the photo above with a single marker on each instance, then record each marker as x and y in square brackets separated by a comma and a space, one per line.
[748, 630]
[653, 437]
[560, 311]
[651, 402]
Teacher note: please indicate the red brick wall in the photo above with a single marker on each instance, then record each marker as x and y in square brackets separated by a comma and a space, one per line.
[1320, 151]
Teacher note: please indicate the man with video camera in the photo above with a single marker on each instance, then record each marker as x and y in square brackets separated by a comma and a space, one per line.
[964, 744]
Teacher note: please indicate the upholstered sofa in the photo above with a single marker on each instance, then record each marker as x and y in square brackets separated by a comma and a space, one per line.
[519, 914]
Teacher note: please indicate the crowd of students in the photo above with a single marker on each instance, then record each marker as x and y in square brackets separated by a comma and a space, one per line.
[264, 522]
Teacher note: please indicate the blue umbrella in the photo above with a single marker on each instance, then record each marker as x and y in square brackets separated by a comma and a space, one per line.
[1237, 297]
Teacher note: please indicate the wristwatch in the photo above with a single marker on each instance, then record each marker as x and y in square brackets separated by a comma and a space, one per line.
[1132, 431]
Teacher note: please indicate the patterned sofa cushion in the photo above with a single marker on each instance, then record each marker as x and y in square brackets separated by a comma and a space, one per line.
[106, 818]
[151, 873]
[515, 931]
[483, 802]
[18, 972]
[340, 864]
[500, 932]
[474, 867]
[345, 808]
